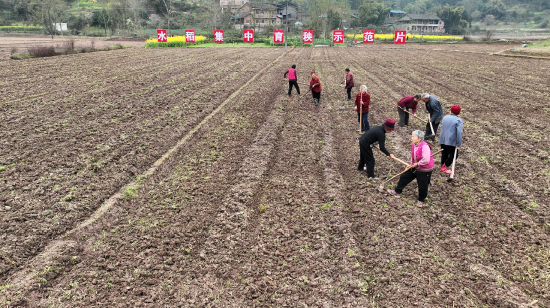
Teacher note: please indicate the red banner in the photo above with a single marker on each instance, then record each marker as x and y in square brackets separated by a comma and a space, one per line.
[248, 36]
[338, 36]
[161, 36]
[279, 36]
[189, 36]
[400, 37]
[219, 36]
[307, 36]
[368, 36]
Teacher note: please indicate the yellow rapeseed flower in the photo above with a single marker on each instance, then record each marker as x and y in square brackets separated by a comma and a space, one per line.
[411, 36]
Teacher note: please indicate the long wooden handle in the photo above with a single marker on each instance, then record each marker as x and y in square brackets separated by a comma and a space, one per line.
[437, 152]
[414, 115]
[382, 185]
[431, 126]
[399, 160]
[454, 162]
[361, 114]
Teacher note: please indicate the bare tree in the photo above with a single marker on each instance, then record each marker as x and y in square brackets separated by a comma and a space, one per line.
[135, 7]
[168, 13]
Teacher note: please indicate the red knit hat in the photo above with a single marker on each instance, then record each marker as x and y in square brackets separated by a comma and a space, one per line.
[456, 109]
[312, 73]
[389, 124]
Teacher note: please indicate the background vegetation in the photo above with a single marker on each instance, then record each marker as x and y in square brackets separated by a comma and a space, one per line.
[141, 17]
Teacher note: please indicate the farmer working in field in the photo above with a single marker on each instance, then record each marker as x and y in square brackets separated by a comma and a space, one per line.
[420, 168]
[362, 102]
[349, 83]
[315, 88]
[407, 103]
[450, 138]
[436, 115]
[292, 80]
[375, 135]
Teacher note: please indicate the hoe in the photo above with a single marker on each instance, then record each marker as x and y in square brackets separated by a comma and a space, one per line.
[414, 115]
[431, 126]
[381, 187]
[453, 169]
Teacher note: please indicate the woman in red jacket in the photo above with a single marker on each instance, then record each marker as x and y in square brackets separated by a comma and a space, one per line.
[315, 88]
[362, 102]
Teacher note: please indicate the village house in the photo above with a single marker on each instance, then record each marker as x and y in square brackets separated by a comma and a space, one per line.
[415, 23]
[247, 13]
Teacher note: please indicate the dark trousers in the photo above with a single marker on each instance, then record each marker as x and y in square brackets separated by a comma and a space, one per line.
[349, 92]
[403, 117]
[447, 155]
[316, 97]
[365, 125]
[422, 178]
[429, 130]
[367, 157]
[295, 84]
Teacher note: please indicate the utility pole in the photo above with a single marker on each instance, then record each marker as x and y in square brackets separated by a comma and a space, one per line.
[286, 16]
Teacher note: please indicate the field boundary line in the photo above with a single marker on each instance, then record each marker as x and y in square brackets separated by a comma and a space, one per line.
[21, 280]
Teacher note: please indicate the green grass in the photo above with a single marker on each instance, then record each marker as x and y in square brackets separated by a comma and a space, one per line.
[542, 44]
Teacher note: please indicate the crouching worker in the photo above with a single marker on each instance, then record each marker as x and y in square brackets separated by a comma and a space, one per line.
[368, 140]
[421, 167]
[315, 88]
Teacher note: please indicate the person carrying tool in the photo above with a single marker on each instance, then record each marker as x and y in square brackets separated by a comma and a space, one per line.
[315, 88]
[292, 80]
[421, 168]
[349, 83]
[407, 103]
[450, 138]
[436, 115]
[362, 102]
[375, 135]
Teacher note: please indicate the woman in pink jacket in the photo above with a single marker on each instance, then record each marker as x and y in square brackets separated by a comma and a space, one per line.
[421, 167]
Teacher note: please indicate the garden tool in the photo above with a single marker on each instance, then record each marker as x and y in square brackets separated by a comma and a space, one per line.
[399, 160]
[453, 170]
[437, 153]
[414, 115]
[431, 126]
[361, 115]
[381, 187]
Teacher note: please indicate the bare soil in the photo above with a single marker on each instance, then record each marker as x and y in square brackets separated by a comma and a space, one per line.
[263, 206]
[20, 44]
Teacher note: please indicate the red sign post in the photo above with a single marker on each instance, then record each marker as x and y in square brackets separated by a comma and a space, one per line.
[338, 36]
[190, 36]
[219, 36]
[278, 36]
[307, 36]
[161, 36]
[400, 37]
[368, 36]
[248, 36]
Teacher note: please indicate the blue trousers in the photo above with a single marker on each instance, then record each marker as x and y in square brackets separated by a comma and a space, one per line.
[365, 125]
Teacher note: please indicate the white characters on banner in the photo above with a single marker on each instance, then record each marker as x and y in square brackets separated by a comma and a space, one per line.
[279, 36]
[368, 36]
[218, 36]
[307, 36]
[190, 36]
[161, 36]
[399, 37]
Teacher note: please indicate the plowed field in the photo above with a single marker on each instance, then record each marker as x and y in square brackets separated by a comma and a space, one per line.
[146, 178]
